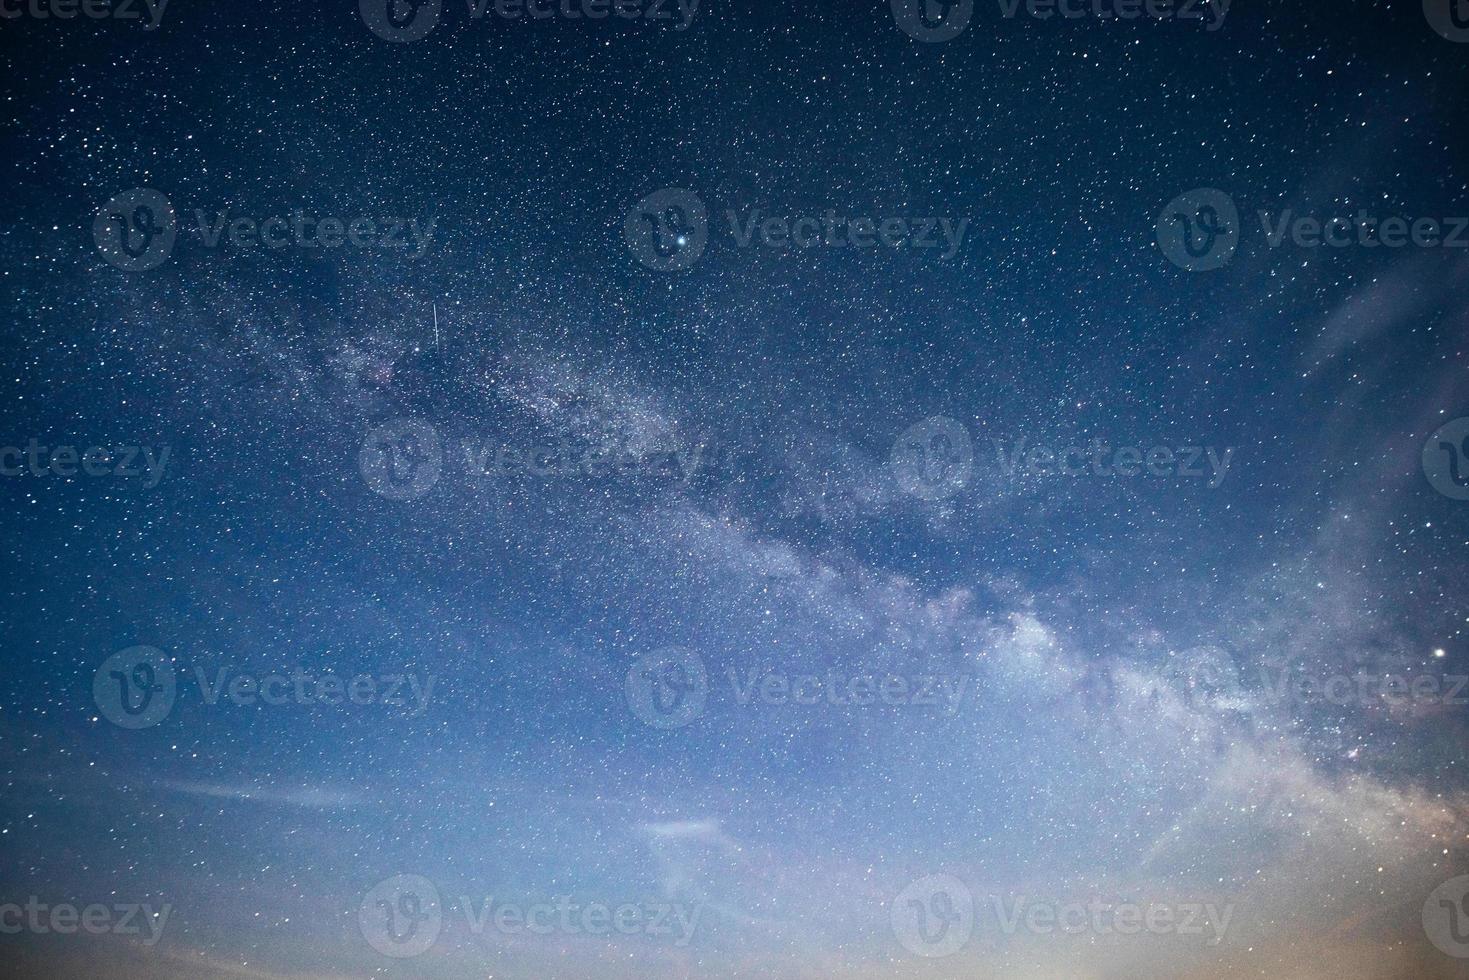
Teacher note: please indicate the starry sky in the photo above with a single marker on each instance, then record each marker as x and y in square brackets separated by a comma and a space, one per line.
[566, 479]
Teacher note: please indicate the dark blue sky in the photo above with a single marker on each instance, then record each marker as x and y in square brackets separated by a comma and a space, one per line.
[574, 539]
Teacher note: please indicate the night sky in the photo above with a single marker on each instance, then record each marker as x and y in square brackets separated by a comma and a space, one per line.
[735, 490]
